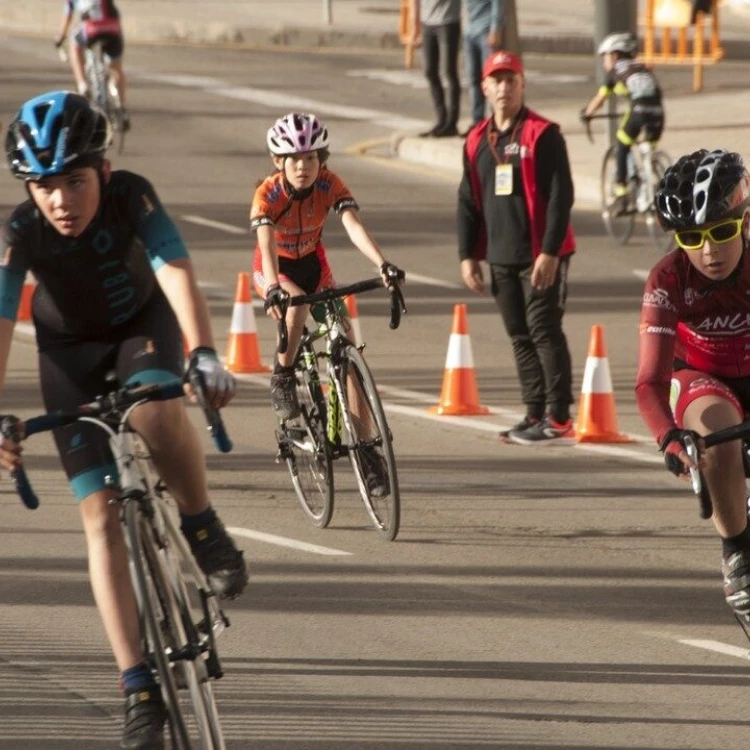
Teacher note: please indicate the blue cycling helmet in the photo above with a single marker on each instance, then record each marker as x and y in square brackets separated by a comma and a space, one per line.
[54, 133]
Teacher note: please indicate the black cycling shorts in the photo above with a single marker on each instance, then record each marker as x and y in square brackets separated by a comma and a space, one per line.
[113, 45]
[147, 349]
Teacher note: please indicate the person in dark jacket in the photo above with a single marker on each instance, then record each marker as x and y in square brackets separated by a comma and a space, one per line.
[514, 205]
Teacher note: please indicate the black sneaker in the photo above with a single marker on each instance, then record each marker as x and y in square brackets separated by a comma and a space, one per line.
[145, 714]
[284, 395]
[736, 572]
[543, 431]
[125, 120]
[376, 472]
[218, 557]
[524, 424]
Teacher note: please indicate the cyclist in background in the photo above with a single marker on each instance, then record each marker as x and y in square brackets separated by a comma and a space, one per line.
[627, 77]
[116, 290]
[694, 340]
[100, 20]
[288, 212]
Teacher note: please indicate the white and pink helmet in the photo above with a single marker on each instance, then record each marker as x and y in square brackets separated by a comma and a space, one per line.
[296, 133]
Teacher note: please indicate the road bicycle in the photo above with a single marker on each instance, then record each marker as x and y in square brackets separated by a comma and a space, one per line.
[102, 88]
[344, 418]
[178, 611]
[646, 166]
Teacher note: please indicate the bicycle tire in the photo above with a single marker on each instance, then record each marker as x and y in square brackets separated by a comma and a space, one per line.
[662, 240]
[384, 512]
[619, 228]
[152, 635]
[165, 565]
[307, 452]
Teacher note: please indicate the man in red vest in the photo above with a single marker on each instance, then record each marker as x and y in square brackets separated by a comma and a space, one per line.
[514, 205]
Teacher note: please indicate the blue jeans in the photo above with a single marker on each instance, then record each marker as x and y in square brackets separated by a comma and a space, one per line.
[476, 51]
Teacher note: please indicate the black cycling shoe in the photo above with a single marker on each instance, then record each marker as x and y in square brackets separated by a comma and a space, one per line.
[145, 714]
[375, 470]
[284, 395]
[218, 557]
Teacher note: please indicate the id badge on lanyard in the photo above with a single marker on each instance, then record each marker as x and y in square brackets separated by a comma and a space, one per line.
[503, 179]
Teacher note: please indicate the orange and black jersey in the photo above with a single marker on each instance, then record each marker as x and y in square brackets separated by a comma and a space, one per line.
[298, 218]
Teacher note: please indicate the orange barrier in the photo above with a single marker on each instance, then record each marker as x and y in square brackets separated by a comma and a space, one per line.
[243, 354]
[597, 416]
[27, 292]
[675, 14]
[355, 335]
[459, 395]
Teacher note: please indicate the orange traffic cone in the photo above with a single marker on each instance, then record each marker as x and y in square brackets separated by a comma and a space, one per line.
[597, 418]
[243, 354]
[460, 395]
[351, 307]
[24, 308]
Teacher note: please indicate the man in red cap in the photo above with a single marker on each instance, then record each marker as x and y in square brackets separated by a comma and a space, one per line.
[514, 205]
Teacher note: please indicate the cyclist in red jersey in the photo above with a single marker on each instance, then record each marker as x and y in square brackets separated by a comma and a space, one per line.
[694, 358]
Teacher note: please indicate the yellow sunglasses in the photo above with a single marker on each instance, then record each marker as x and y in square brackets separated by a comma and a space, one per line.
[694, 239]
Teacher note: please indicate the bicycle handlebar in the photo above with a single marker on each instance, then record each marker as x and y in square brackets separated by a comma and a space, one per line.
[736, 432]
[587, 122]
[397, 307]
[118, 401]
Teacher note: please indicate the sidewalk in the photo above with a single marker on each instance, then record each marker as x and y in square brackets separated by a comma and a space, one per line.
[566, 27]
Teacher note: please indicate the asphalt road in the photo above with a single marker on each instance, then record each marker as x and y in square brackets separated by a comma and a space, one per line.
[536, 598]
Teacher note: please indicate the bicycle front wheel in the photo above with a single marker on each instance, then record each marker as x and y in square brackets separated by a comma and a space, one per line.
[305, 448]
[370, 444]
[620, 221]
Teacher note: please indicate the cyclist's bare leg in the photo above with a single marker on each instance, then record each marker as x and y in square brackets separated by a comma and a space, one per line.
[118, 75]
[110, 577]
[77, 64]
[176, 451]
[295, 322]
[724, 473]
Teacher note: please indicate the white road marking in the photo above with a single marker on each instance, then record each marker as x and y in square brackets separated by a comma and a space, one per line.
[718, 647]
[282, 541]
[285, 101]
[416, 79]
[220, 225]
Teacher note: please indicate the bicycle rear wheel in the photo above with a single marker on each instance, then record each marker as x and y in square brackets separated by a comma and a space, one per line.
[662, 240]
[619, 226]
[304, 446]
[368, 430]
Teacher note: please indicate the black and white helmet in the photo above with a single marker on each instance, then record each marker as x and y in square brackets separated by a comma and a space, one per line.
[296, 134]
[623, 42]
[702, 188]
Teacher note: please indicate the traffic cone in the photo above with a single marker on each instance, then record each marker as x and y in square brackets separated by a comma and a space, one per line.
[351, 307]
[243, 354]
[27, 292]
[597, 418]
[460, 395]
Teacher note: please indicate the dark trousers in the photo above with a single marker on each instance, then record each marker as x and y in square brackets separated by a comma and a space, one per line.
[442, 42]
[533, 320]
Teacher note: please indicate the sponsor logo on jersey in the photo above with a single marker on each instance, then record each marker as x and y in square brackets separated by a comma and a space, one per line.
[692, 296]
[658, 330]
[737, 323]
[659, 298]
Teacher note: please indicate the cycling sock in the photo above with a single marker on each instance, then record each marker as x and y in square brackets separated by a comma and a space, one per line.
[736, 543]
[197, 520]
[136, 678]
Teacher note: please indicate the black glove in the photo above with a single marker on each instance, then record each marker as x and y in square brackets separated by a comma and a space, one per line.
[276, 297]
[392, 273]
[59, 42]
[583, 117]
[672, 444]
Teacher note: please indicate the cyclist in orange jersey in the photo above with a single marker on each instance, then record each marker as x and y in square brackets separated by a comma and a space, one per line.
[288, 213]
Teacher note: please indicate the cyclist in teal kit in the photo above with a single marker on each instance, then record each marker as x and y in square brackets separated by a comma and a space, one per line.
[116, 293]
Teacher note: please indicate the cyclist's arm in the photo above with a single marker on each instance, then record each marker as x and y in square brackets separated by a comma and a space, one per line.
[269, 255]
[67, 20]
[180, 286]
[658, 331]
[360, 237]
[596, 101]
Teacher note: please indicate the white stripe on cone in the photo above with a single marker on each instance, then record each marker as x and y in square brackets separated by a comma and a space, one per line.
[459, 352]
[243, 318]
[596, 376]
